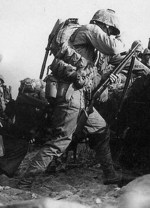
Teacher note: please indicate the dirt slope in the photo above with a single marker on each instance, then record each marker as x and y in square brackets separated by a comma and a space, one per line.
[81, 182]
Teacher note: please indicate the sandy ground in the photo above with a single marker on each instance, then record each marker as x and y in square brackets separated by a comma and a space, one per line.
[81, 182]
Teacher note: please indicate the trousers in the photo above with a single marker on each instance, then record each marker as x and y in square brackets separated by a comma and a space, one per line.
[64, 122]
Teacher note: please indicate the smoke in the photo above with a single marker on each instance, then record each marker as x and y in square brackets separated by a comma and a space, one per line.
[1, 57]
[25, 28]
[136, 199]
[136, 194]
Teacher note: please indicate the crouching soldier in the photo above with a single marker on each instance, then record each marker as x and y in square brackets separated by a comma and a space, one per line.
[29, 120]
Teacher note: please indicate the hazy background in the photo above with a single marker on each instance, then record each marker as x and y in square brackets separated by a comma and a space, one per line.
[25, 26]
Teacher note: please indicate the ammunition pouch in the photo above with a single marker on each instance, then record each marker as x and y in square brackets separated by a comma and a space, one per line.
[62, 90]
[69, 55]
[51, 87]
[62, 70]
[57, 89]
[68, 68]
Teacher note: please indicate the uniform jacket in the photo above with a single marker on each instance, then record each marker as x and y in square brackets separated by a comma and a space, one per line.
[85, 41]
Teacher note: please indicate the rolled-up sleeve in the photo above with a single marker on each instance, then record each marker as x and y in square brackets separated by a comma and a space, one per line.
[108, 45]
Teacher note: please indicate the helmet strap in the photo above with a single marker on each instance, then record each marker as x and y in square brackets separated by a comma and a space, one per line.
[107, 29]
[103, 26]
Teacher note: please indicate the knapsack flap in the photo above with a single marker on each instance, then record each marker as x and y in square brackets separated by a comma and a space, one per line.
[61, 33]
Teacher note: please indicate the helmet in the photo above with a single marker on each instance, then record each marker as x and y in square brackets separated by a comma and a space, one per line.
[139, 48]
[107, 17]
[146, 51]
[2, 78]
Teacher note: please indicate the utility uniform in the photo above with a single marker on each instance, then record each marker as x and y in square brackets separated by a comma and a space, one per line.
[69, 105]
[68, 108]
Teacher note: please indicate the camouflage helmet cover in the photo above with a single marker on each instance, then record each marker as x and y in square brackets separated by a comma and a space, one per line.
[107, 17]
[146, 51]
[140, 46]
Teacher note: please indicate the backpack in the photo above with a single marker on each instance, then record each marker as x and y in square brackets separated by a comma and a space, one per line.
[66, 59]
[60, 45]
[61, 34]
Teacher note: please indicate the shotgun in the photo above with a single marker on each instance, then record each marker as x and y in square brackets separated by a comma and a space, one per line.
[99, 90]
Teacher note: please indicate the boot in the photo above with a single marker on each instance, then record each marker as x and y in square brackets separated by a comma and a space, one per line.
[110, 175]
[25, 183]
[51, 168]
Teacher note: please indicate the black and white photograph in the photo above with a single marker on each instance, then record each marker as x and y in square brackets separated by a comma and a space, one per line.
[74, 103]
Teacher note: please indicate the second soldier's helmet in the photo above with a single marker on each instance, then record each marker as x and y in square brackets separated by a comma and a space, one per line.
[146, 51]
[109, 18]
[140, 46]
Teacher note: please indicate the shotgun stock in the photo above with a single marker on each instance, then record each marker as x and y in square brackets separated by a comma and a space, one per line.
[99, 90]
[47, 49]
[45, 60]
